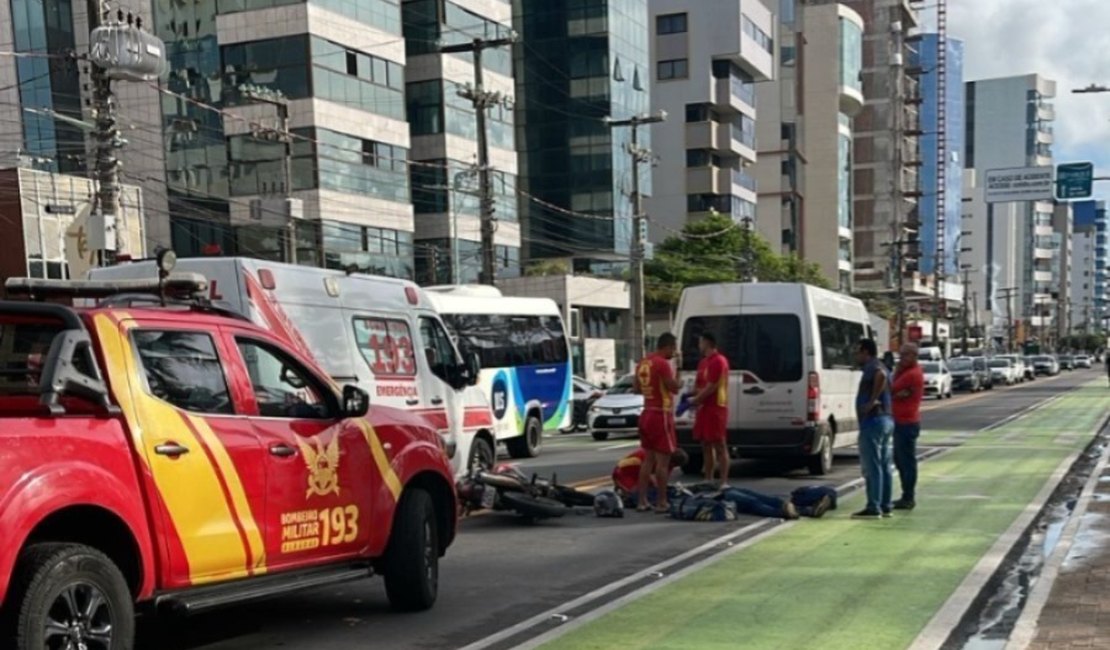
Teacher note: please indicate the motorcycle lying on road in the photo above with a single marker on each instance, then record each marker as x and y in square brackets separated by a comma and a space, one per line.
[507, 489]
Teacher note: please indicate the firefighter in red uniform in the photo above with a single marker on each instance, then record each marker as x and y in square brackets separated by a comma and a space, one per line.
[656, 381]
[711, 400]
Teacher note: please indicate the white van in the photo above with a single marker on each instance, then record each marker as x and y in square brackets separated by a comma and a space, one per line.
[525, 358]
[381, 333]
[791, 349]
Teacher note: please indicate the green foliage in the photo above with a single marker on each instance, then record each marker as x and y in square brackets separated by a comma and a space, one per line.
[879, 303]
[714, 250]
[547, 267]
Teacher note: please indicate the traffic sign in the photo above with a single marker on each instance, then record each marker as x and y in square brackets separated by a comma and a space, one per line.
[1019, 184]
[1073, 180]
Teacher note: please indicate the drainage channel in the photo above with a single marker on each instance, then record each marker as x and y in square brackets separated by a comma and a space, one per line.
[991, 618]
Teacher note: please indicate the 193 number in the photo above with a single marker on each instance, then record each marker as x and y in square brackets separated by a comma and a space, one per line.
[338, 525]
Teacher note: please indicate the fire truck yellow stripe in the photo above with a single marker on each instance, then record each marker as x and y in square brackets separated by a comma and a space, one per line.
[239, 501]
[188, 485]
[380, 458]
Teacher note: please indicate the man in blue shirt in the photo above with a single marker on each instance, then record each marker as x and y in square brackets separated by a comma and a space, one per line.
[876, 426]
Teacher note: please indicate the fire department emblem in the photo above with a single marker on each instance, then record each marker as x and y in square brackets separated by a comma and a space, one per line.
[323, 466]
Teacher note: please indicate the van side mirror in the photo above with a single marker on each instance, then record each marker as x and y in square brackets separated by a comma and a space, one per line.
[473, 367]
[356, 402]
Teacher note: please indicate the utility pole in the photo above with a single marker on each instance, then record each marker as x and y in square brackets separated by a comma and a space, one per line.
[966, 312]
[640, 156]
[482, 101]
[118, 50]
[1008, 295]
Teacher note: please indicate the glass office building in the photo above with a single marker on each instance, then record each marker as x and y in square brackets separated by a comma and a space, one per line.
[577, 63]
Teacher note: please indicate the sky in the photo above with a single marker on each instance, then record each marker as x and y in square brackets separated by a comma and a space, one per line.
[1064, 40]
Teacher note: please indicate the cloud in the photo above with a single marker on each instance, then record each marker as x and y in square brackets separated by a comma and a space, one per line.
[1064, 40]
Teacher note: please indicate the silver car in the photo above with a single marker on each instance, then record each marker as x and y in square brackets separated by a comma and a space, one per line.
[617, 412]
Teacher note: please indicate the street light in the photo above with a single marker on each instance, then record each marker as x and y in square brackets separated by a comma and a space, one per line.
[1092, 88]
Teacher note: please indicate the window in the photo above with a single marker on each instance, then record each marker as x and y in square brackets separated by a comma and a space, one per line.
[439, 349]
[23, 349]
[698, 113]
[757, 34]
[182, 368]
[425, 107]
[509, 341]
[670, 24]
[766, 345]
[282, 387]
[839, 340]
[673, 69]
[386, 345]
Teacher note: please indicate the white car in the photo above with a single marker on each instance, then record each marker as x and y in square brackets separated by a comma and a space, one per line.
[1083, 361]
[938, 380]
[617, 412]
[1003, 371]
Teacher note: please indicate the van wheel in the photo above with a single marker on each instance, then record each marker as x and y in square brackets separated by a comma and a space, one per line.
[71, 595]
[821, 464]
[411, 566]
[481, 454]
[528, 445]
[695, 465]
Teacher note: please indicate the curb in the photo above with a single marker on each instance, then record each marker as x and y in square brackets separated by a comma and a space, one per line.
[951, 614]
[1026, 627]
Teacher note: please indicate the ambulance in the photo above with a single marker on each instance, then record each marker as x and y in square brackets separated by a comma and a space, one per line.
[380, 333]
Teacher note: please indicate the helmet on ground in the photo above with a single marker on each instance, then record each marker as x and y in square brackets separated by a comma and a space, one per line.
[608, 504]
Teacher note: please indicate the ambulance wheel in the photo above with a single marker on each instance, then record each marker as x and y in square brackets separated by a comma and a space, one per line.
[70, 595]
[481, 454]
[821, 464]
[411, 563]
[528, 445]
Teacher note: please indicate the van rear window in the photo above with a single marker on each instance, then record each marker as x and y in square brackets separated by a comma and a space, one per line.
[767, 345]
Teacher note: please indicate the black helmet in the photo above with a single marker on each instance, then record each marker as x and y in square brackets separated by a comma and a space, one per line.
[608, 504]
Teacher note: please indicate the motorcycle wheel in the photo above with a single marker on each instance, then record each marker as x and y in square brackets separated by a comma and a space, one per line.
[533, 507]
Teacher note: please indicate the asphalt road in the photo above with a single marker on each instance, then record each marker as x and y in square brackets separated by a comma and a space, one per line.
[502, 571]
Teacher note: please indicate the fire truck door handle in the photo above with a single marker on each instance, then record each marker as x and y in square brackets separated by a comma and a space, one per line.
[283, 451]
[437, 401]
[755, 390]
[171, 449]
[412, 401]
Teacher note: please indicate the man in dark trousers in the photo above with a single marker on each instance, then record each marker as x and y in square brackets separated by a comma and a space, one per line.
[908, 391]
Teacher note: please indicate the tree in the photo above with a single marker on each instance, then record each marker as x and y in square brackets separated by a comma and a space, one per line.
[547, 267]
[716, 249]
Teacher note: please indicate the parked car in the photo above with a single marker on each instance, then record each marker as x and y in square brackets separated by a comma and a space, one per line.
[1018, 364]
[1046, 365]
[1083, 361]
[938, 380]
[969, 374]
[583, 395]
[617, 412]
[1003, 371]
[1067, 362]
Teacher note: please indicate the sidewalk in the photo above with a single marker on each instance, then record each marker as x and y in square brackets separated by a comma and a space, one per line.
[1077, 611]
[839, 583]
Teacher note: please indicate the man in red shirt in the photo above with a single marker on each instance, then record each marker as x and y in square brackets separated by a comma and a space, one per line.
[626, 475]
[711, 400]
[656, 381]
[908, 391]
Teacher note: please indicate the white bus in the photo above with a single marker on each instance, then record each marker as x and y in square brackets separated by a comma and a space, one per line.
[525, 357]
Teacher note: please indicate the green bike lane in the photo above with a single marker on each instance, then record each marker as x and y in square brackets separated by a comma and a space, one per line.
[841, 583]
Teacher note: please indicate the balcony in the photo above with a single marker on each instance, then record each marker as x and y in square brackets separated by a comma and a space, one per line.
[735, 94]
[1042, 276]
[1046, 112]
[702, 135]
[733, 140]
[1044, 253]
[708, 180]
[743, 179]
[851, 101]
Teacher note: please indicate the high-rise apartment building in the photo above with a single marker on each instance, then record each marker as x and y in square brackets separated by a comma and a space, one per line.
[707, 57]
[443, 127]
[886, 166]
[939, 194]
[804, 171]
[340, 70]
[579, 62]
[1090, 290]
[1009, 124]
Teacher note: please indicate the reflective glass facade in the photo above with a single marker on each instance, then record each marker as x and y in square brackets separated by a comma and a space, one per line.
[933, 151]
[434, 261]
[205, 168]
[851, 55]
[579, 61]
[48, 84]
